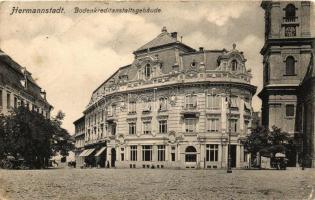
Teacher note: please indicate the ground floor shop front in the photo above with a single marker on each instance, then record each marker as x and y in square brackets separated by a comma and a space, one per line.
[161, 154]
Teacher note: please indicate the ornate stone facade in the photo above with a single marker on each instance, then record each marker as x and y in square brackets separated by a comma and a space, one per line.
[17, 88]
[169, 108]
[288, 65]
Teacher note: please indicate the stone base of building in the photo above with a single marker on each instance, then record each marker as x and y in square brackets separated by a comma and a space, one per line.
[175, 165]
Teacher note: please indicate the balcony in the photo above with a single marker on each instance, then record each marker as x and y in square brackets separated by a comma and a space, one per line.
[190, 111]
[290, 19]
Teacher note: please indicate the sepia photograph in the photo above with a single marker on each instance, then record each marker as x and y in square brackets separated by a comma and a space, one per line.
[172, 99]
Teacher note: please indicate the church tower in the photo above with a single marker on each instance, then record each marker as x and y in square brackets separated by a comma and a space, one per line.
[286, 55]
[287, 61]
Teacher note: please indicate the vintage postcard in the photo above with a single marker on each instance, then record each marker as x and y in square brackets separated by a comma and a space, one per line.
[157, 100]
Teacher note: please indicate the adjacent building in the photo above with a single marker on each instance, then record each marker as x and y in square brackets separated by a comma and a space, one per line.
[18, 88]
[288, 92]
[172, 107]
[79, 127]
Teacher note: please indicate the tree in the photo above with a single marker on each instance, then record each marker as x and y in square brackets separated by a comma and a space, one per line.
[257, 140]
[266, 142]
[28, 135]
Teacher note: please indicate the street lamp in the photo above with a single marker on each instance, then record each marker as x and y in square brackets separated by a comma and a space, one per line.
[229, 170]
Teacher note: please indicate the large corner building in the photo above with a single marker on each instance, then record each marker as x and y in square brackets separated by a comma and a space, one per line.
[288, 100]
[170, 109]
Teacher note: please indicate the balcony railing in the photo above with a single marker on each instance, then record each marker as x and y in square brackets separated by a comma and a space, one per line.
[290, 19]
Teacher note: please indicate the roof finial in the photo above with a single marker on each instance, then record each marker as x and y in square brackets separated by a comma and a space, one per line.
[164, 30]
[234, 46]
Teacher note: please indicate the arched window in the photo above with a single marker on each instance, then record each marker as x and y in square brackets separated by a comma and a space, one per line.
[147, 71]
[290, 11]
[190, 154]
[290, 66]
[234, 65]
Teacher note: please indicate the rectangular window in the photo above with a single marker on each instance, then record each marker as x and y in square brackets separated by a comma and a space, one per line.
[147, 127]
[214, 102]
[213, 125]
[15, 102]
[114, 110]
[161, 152]
[147, 153]
[191, 101]
[122, 156]
[234, 102]
[190, 124]
[132, 128]
[212, 151]
[8, 100]
[113, 129]
[132, 107]
[162, 126]
[289, 110]
[147, 106]
[133, 153]
[173, 157]
[234, 125]
[246, 127]
[163, 104]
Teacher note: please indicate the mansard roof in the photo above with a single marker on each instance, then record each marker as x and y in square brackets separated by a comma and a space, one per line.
[170, 62]
[163, 39]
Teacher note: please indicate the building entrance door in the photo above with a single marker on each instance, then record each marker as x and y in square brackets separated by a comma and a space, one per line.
[233, 156]
[113, 157]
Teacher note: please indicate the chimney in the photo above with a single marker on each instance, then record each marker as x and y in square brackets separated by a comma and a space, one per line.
[174, 35]
[201, 49]
[164, 30]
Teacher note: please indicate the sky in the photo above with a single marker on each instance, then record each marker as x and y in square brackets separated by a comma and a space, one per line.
[71, 54]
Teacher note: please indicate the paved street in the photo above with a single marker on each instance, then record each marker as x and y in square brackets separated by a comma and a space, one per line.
[92, 184]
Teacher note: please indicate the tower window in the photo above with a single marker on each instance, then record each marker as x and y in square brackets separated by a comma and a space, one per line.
[234, 65]
[289, 110]
[290, 66]
[147, 71]
[290, 11]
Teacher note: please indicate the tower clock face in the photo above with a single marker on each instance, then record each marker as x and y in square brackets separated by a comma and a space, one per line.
[290, 31]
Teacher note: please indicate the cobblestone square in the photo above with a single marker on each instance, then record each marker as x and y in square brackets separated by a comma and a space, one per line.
[86, 184]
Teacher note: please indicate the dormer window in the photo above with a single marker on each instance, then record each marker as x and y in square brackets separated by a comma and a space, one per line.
[234, 65]
[147, 71]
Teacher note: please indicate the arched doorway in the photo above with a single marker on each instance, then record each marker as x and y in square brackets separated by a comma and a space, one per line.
[191, 154]
[113, 157]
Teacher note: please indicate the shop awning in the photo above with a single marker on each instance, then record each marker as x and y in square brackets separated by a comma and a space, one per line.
[89, 152]
[100, 151]
[82, 154]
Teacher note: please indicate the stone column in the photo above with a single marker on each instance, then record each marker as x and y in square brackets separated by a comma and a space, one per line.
[154, 153]
[127, 153]
[202, 155]
[223, 115]
[139, 153]
[167, 152]
[238, 160]
[242, 122]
